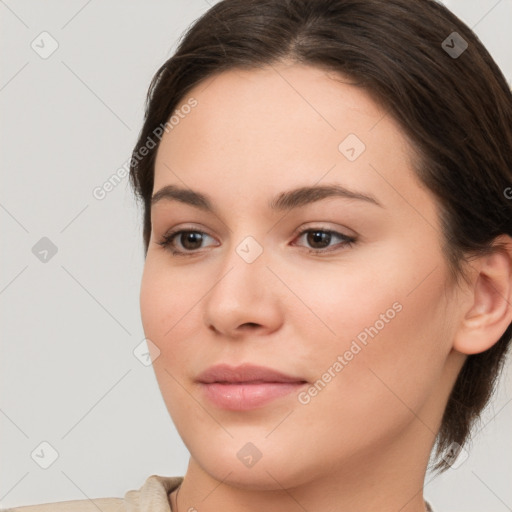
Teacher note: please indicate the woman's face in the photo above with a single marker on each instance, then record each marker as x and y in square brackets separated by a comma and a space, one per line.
[367, 324]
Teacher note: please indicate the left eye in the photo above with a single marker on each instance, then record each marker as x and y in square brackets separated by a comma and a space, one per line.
[319, 239]
[190, 241]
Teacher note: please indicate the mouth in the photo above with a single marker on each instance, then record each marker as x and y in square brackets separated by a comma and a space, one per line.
[243, 396]
[247, 386]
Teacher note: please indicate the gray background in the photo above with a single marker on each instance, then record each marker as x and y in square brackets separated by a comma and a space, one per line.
[68, 373]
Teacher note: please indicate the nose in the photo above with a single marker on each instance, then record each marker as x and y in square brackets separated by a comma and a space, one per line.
[244, 298]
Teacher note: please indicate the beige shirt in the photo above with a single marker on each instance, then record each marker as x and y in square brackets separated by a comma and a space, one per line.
[151, 497]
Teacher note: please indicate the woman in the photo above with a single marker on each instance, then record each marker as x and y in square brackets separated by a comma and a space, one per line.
[327, 286]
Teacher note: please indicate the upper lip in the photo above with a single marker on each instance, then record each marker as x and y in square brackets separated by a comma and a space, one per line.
[244, 373]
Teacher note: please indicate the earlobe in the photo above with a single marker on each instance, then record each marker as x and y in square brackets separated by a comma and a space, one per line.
[490, 313]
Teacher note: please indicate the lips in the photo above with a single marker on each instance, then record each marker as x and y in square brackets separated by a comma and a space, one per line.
[224, 373]
[247, 386]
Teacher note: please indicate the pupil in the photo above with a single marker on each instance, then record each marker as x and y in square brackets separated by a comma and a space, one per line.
[315, 237]
[193, 238]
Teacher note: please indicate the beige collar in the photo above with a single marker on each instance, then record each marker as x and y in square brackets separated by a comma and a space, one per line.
[153, 495]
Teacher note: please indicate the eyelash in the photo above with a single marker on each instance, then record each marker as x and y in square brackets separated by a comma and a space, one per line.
[167, 240]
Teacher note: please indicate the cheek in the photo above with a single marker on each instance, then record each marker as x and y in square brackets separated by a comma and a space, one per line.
[169, 307]
[349, 300]
[167, 300]
[391, 339]
[153, 302]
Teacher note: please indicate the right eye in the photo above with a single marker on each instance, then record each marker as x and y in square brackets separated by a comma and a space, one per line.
[190, 241]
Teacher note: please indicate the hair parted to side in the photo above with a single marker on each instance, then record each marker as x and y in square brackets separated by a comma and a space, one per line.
[457, 113]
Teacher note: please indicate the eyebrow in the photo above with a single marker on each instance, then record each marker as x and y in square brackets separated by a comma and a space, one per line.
[284, 201]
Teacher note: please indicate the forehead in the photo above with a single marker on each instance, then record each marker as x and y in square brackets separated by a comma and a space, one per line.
[278, 126]
[279, 102]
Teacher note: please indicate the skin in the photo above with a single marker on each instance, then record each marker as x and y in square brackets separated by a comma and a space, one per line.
[363, 442]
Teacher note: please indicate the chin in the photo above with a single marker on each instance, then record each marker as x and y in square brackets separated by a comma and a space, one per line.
[274, 470]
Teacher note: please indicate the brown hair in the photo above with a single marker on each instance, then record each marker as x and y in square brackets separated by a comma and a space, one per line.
[456, 110]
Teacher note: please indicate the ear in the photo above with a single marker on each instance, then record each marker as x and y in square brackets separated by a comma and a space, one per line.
[490, 311]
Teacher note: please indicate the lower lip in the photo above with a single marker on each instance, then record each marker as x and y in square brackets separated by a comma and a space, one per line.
[246, 396]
